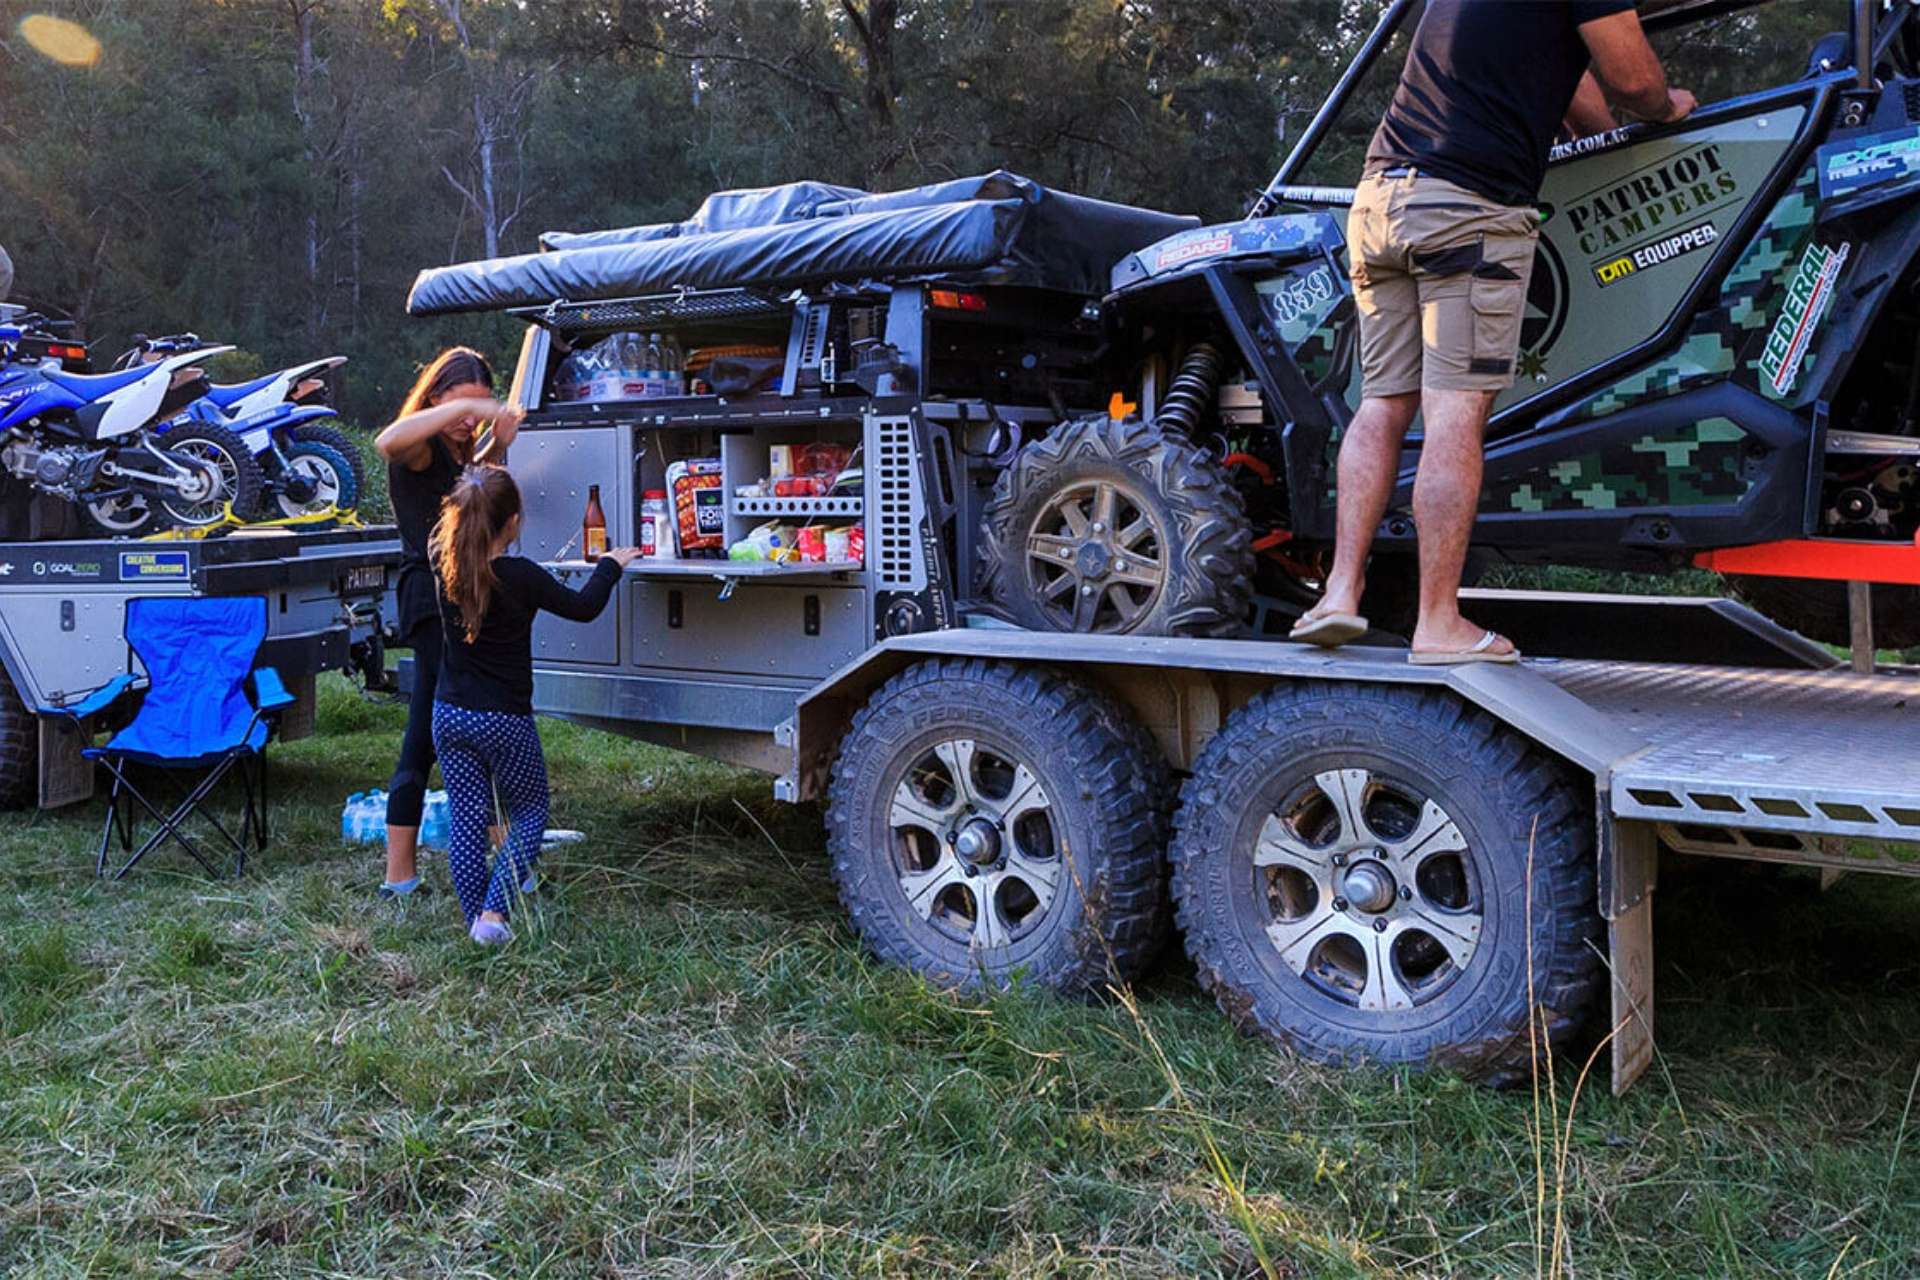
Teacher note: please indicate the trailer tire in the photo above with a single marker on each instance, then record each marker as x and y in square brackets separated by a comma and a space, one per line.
[1061, 830]
[1404, 943]
[340, 442]
[19, 749]
[1191, 565]
[1818, 610]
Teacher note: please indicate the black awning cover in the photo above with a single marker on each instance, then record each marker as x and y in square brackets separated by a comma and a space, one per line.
[998, 228]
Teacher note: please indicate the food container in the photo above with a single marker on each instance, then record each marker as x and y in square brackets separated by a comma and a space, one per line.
[839, 546]
[656, 538]
[812, 544]
[699, 507]
[780, 461]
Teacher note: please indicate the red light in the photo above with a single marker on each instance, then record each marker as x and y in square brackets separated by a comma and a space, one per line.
[66, 353]
[953, 300]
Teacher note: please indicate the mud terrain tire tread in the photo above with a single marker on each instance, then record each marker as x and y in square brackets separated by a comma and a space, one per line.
[19, 749]
[1210, 564]
[339, 441]
[1118, 852]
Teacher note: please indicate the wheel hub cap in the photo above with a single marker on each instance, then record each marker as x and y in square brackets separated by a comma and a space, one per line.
[1093, 560]
[1369, 886]
[978, 842]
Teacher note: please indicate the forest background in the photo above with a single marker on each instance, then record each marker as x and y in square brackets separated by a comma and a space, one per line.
[273, 173]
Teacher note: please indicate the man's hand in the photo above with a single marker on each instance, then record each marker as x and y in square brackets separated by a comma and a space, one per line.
[1680, 104]
[1628, 69]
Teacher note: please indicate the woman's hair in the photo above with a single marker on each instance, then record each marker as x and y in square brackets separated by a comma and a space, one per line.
[454, 367]
[483, 503]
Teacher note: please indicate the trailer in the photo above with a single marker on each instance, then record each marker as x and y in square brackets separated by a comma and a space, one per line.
[1050, 713]
[1369, 860]
[62, 614]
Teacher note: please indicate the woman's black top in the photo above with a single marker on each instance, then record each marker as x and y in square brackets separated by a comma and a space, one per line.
[494, 672]
[416, 497]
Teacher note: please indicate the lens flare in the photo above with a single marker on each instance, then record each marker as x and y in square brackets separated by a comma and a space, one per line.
[67, 43]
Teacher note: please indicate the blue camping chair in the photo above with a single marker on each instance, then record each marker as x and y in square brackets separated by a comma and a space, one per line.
[195, 717]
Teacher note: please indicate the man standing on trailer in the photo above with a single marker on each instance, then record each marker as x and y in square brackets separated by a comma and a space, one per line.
[1441, 241]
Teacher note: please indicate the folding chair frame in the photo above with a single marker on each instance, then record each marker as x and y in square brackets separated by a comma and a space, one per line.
[251, 769]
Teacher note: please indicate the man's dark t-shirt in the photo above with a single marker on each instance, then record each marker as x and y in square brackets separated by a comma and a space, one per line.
[1486, 85]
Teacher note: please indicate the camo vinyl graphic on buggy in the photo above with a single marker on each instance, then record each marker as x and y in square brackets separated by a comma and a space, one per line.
[1697, 464]
[1728, 340]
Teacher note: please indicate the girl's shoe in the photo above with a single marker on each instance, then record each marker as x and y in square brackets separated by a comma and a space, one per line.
[393, 891]
[490, 933]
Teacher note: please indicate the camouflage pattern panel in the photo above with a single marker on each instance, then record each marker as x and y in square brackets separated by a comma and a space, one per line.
[1781, 275]
[1304, 235]
[1627, 231]
[1298, 301]
[1700, 464]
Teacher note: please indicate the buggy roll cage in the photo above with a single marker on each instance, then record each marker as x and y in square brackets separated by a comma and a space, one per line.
[1866, 33]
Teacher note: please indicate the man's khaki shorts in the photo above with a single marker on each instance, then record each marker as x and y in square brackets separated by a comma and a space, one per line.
[1440, 277]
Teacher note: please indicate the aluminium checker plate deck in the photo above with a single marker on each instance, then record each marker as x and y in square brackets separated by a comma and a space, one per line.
[1812, 753]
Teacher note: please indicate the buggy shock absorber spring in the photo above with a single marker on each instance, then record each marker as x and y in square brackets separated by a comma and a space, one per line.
[1192, 389]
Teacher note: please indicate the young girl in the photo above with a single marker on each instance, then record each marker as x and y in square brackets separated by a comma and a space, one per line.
[483, 709]
[425, 447]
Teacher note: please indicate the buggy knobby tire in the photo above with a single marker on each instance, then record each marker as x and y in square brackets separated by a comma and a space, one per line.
[1818, 610]
[338, 440]
[1060, 832]
[19, 749]
[1353, 866]
[242, 482]
[1173, 555]
[327, 470]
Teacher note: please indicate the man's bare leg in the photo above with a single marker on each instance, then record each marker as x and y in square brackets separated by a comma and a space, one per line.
[1446, 495]
[1368, 466]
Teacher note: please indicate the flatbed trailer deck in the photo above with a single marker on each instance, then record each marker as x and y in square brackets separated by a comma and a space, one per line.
[62, 612]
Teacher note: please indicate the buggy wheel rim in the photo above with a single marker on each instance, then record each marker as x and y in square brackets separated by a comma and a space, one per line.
[1372, 892]
[1096, 558]
[976, 848]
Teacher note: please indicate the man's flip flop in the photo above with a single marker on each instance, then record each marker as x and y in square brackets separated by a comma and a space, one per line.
[1482, 651]
[1330, 630]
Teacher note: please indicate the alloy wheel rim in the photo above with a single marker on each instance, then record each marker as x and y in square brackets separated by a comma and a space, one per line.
[325, 481]
[1371, 889]
[976, 849]
[1096, 558]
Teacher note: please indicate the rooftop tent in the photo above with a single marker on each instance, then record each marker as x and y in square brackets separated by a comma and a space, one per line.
[998, 228]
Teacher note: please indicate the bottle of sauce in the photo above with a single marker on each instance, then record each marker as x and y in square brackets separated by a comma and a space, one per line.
[656, 536]
[593, 531]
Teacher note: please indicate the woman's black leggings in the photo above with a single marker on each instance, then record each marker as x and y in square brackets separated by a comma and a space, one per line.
[407, 792]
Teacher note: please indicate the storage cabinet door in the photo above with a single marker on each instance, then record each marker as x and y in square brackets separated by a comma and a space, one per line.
[554, 469]
[765, 629]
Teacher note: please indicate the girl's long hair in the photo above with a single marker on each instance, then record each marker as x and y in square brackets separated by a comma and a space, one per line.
[454, 367]
[483, 503]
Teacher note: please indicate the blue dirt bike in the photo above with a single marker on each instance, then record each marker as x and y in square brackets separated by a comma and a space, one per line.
[305, 463]
[91, 439]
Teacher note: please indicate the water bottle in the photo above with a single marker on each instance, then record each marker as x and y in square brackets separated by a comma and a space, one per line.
[656, 367]
[673, 364]
[364, 818]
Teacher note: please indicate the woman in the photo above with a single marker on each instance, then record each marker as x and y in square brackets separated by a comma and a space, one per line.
[425, 448]
[483, 713]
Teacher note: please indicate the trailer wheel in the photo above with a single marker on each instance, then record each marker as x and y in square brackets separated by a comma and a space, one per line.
[1818, 610]
[19, 749]
[988, 821]
[1354, 866]
[342, 443]
[1118, 527]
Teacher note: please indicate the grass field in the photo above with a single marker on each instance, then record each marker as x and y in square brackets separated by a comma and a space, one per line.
[685, 1067]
